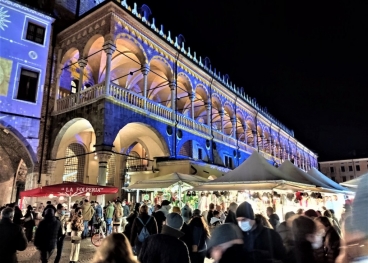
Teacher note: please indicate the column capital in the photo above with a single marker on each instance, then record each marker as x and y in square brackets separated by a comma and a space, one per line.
[233, 119]
[192, 96]
[208, 105]
[103, 156]
[82, 62]
[221, 113]
[109, 47]
[145, 69]
[172, 85]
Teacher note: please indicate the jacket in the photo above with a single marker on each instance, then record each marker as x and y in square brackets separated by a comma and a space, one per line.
[285, 234]
[231, 218]
[274, 220]
[12, 239]
[87, 211]
[98, 211]
[110, 211]
[186, 213]
[128, 228]
[138, 226]
[164, 248]
[237, 254]
[47, 233]
[47, 207]
[264, 240]
[160, 219]
[126, 210]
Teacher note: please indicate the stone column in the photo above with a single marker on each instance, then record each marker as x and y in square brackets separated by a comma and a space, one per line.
[57, 85]
[208, 108]
[51, 166]
[255, 139]
[103, 159]
[172, 86]
[82, 64]
[109, 47]
[192, 99]
[233, 121]
[222, 120]
[145, 71]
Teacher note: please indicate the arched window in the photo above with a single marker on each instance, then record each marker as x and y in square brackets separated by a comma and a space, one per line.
[74, 163]
[110, 173]
[74, 86]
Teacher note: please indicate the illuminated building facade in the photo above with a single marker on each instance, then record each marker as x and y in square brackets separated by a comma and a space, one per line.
[24, 49]
[129, 101]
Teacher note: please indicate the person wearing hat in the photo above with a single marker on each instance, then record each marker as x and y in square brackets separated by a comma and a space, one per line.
[256, 237]
[160, 215]
[166, 246]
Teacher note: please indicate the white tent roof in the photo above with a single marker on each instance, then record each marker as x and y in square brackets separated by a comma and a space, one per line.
[299, 175]
[255, 168]
[324, 179]
[352, 183]
[168, 180]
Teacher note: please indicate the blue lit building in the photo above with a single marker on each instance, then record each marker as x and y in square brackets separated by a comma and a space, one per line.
[132, 101]
[24, 50]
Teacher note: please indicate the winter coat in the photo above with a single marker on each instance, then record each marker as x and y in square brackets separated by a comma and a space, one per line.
[300, 252]
[12, 239]
[209, 216]
[187, 238]
[330, 249]
[128, 228]
[198, 233]
[126, 210]
[17, 219]
[186, 213]
[285, 234]
[160, 219]
[274, 220]
[237, 254]
[266, 241]
[110, 211]
[47, 233]
[138, 226]
[231, 218]
[87, 211]
[98, 211]
[164, 248]
[47, 207]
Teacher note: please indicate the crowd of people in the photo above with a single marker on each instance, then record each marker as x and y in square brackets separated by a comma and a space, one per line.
[165, 234]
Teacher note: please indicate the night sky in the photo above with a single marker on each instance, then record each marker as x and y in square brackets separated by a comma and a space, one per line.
[306, 61]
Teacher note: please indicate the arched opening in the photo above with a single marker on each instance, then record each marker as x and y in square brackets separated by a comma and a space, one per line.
[69, 78]
[75, 163]
[184, 89]
[201, 98]
[250, 132]
[227, 121]
[217, 110]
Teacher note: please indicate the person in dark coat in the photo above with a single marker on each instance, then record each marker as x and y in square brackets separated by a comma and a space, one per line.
[166, 247]
[17, 216]
[12, 237]
[306, 239]
[331, 242]
[272, 217]
[148, 221]
[130, 219]
[284, 231]
[231, 217]
[256, 237]
[200, 234]
[210, 213]
[47, 234]
[29, 223]
[160, 215]
[48, 205]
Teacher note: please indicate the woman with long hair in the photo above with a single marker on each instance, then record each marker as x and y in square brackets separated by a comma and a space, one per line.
[76, 235]
[200, 233]
[115, 248]
[130, 219]
[143, 220]
[118, 217]
[261, 219]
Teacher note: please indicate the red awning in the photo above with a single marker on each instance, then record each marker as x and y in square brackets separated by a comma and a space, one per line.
[69, 189]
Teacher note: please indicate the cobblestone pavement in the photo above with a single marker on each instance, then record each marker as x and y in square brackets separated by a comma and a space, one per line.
[31, 254]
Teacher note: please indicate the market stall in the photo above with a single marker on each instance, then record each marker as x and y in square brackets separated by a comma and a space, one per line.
[68, 190]
[173, 183]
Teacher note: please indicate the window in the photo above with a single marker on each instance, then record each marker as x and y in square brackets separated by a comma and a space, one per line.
[74, 163]
[228, 161]
[357, 167]
[74, 86]
[350, 168]
[333, 178]
[344, 178]
[343, 169]
[332, 170]
[351, 177]
[35, 33]
[27, 89]
[200, 154]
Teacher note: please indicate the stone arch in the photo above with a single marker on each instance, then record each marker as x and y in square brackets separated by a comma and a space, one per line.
[250, 131]
[133, 44]
[69, 71]
[228, 115]
[96, 59]
[216, 108]
[200, 102]
[241, 126]
[159, 77]
[91, 43]
[75, 165]
[146, 135]
[184, 89]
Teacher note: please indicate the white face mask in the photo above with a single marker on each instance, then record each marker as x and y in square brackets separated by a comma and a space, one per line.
[244, 225]
[318, 242]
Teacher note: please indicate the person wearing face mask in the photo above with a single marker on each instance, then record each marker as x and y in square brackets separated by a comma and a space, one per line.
[306, 239]
[267, 242]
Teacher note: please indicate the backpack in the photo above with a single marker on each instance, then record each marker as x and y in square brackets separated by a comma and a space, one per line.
[144, 232]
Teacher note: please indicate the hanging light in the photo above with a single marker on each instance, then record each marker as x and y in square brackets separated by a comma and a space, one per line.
[61, 198]
[95, 157]
[51, 196]
[88, 194]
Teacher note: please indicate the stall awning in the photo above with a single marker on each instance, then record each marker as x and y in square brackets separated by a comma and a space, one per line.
[69, 189]
[352, 183]
[168, 180]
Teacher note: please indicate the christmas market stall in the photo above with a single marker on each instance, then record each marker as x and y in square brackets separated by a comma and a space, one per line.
[169, 187]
